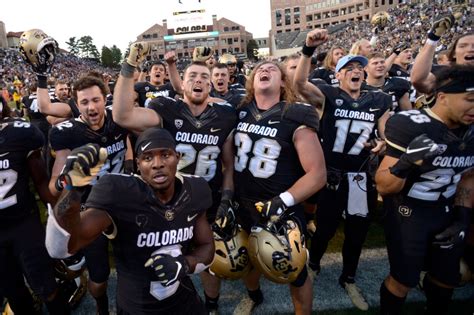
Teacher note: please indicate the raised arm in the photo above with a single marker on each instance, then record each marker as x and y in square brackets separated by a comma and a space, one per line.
[170, 58]
[124, 112]
[421, 77]
[310, 92]
[61, 110]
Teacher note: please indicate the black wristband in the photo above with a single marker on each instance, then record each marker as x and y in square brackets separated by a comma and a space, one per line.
[433, 36]
[227, 194]
[401, 169]
[308, 51]
[42, 81]
[127, 70]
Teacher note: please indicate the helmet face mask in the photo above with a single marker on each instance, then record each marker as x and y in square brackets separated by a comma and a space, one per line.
[278, 250]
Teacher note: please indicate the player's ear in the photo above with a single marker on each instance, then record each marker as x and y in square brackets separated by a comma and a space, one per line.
[338, 75]
[178, 155]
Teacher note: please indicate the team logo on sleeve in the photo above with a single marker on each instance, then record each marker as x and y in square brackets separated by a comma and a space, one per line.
[169, 215]
[339, 102]
[141, 220]
[178, 123]
[404, 211]
[242, 114]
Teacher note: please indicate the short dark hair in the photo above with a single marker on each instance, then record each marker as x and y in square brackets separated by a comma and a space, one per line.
[157, 63]
[87, 82]
[455, 75]
[219, 66]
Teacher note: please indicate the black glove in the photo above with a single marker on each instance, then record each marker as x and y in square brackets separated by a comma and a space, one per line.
[271, 208]
[167, 268]
[419, 149]
[456, 232]
[225, 207]
[440, 26]
[399, 48]
[82, 166]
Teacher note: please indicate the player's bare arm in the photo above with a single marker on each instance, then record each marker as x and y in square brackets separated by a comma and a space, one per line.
[170, 58]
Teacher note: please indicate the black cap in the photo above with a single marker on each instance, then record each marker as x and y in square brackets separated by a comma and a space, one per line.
[154, 138]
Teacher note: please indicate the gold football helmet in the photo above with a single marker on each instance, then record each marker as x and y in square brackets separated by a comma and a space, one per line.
[278, 250]
[227, 59]
[231, 258]
[380, 19]
[38, 49]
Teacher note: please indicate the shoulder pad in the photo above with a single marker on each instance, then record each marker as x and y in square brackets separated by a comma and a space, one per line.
[200, 192]
[303, 114]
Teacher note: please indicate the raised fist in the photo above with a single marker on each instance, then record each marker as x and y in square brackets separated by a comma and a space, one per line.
[316, 37]
[138, 53]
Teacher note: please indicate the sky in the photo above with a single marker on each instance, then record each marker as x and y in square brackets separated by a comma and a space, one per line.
[118, 22]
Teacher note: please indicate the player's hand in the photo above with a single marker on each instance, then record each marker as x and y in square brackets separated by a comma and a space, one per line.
[440, 26]
[170, 57]
[225, 213]
[82, 166]
[399, 48]
[271, 209]
[316, 37]
[202, 53]
[377, 145]
[418, 149]
[167, 268]
[138, 53]
[455, 233]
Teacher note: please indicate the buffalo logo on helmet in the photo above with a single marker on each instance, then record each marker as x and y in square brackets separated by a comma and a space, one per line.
[240, 261]
[281, 263]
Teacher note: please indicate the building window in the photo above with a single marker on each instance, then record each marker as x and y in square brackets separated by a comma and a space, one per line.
[223, 41]
[278, 17]
[264, 41]
[155, 35]
[229, 41]
[296, 16]
[287, 16]
[236, 39]
[226, 29]
[236, 49]
[279, 31]
[224, 50]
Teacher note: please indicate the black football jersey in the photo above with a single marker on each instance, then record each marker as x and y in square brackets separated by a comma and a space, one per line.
[266, 162]
[395, 87]
[144, 225]
[347, 124]
[74, 133]
[31, 103]
[397, 71]
[237, 81]
[434, 182]
[233, 96]
[199, 139]
[328, 76]
[147, 91]
[17, 139]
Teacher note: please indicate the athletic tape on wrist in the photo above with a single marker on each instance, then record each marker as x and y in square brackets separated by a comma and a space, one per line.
[57, 238]
[431, 42]
[288, 199]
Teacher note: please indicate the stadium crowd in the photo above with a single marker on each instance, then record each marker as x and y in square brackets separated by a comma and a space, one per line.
[236, 169]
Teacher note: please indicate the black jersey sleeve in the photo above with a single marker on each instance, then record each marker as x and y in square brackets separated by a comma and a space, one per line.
[35, 138]
[402, 128]
[105, 193]
[138, 87]
[62, 136]
[161, 104]
[303, 114]
[383, 100]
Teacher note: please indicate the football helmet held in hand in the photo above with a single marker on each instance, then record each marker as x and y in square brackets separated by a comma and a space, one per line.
[277, 249]
[231, 258]
[380, 19]
[39, 50]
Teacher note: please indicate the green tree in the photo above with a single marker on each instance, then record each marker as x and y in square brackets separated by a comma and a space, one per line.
[116, 55]
[106, 57]
[252, 48]
[73, 46]
[87, 48]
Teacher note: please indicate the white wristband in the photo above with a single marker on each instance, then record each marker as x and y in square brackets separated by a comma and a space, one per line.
[431, 42]
[288, 199]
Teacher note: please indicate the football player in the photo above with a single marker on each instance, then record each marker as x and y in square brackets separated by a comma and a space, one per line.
[461, 52]
[326, 72]
[220, 86]
[22, 251]
[148, 90]
[427, 152]
[376, 79]
[152, 220]
[202, 130]
[278, 164]
[350, 123]
[94, 125]
[236, 79]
